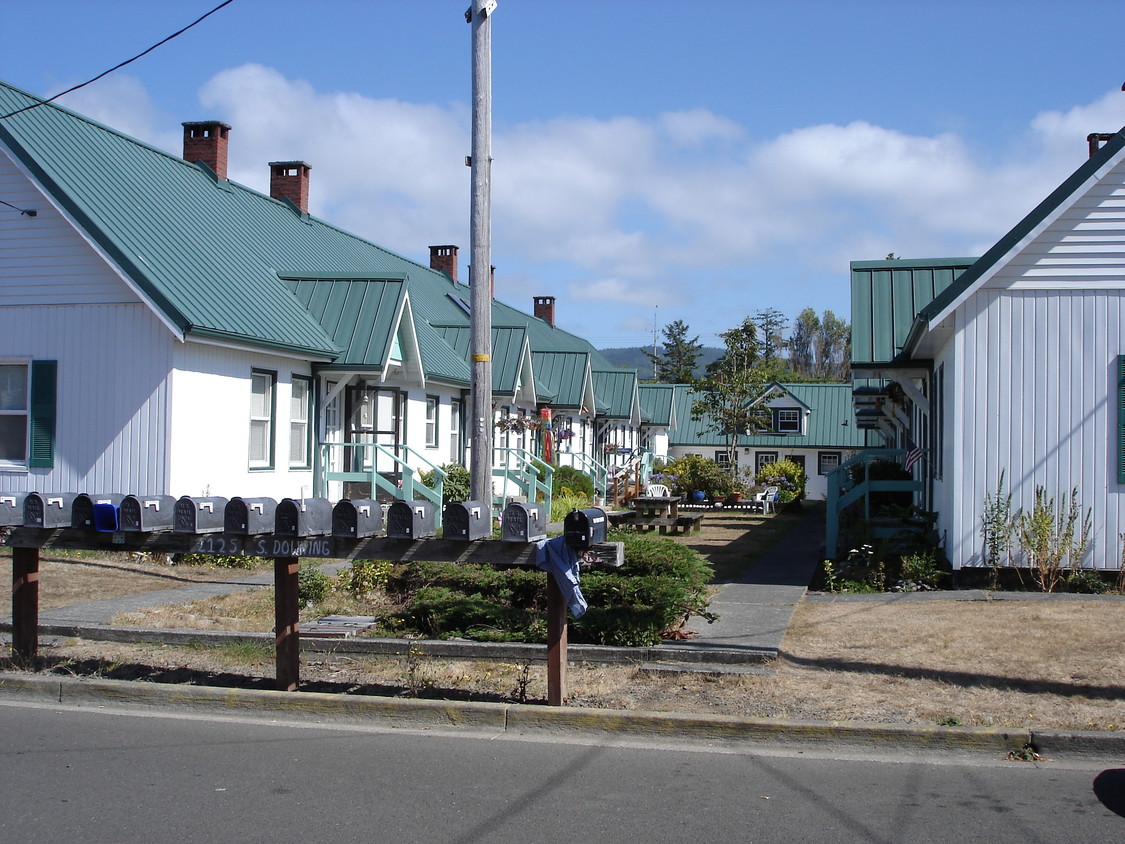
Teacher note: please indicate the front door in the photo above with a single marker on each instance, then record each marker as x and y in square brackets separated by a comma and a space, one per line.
[374, 415]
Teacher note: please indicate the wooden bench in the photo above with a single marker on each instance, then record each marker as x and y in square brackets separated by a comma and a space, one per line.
[683, 523]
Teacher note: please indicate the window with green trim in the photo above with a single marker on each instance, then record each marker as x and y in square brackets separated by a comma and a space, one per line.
[1121, 419]
[27, 414]
[263, 405]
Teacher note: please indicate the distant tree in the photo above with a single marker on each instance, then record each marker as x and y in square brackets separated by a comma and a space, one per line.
[771, 324]
[724, 397]
[802, 355]
[679, 356]
[833, 348]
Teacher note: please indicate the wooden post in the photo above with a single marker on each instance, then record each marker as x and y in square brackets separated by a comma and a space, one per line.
[25, 602]
[286, 615]
[556, 644]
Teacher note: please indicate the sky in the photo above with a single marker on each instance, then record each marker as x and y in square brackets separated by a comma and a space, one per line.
[653, 160]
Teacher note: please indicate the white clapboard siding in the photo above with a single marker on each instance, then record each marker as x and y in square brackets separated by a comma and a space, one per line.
[210, 424]
[43, 259]
[111, 395]
[1031, 379]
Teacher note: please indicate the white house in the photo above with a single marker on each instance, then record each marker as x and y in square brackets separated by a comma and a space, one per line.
[1013, 363]
[164, 330]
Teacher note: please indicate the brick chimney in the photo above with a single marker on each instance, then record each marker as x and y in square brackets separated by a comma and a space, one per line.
[545, 308]
[444, 260]
[290, 180]
[206, 141]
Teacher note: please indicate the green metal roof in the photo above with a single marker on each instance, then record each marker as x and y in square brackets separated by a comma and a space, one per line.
[618, 390]
[565, 375]
[830, 406]
[357, 314]
[658, 403]
[508, 345]
[888, 295]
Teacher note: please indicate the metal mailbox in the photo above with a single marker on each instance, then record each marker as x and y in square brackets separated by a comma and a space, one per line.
[303, 517]
[467, 521]
[357, 519]
[584, 528]
[82, 509]
[48, 510]
[11, 508]
[146, 513]
[523, 522]
[199, 515]
[249, 516]
[411, 520]
[107, 517]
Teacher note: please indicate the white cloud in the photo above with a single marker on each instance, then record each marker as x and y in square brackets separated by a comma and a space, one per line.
[632, 212]
[123, 103]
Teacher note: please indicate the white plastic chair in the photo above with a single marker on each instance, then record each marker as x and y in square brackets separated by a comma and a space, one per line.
[657, 491]
[766, 500]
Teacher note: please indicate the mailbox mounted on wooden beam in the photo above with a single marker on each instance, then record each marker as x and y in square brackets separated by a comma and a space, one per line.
[11, 508]
[82, 510]
[357, 519]
[146, 513]
[199, 515]
[585, 528]
[523, 522]
[48, 510]
[467, 521]
[303, 517]
[411, 520]
[249, 516]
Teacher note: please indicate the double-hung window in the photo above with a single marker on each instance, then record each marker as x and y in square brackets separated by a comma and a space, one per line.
[300, 411]
[27, 414]
[431, 421]
[787, 420]
[263, 405]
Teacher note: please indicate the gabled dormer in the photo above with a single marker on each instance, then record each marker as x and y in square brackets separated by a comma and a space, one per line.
[788, 414]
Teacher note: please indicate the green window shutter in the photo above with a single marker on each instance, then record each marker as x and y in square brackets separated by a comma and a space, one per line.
[41, 454]
[1121, 419]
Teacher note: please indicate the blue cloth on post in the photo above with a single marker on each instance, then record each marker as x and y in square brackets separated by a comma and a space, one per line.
[558, 558]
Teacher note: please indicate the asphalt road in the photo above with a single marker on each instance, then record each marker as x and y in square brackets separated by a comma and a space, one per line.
[91, 776]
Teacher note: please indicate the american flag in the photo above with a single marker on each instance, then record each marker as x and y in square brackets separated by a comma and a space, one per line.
[913, 455]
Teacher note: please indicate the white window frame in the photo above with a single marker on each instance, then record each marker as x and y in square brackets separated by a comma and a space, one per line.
[787, 420]
[763, 458]
[432, 414]
[300, 415]
[821, 456]
[24, 413]
[264, 420]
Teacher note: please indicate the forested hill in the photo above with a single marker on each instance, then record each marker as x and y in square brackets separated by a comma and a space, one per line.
[634, 358]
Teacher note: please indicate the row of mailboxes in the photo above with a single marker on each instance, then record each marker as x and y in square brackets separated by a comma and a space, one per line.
[353, 519]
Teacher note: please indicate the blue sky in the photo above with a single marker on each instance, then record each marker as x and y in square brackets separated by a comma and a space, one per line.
[654, 160]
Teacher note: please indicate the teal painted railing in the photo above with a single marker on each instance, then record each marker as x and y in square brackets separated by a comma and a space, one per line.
[406, 460]
[519, 468]
[844, 491]
[585, 463]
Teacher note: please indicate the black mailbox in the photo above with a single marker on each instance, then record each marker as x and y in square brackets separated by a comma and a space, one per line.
[147, 512]
[303, 517]
[411, 520]
[11, 508]
[82, 509]
[584, 528]
[357, 519]
[523, 522]
[467, 520]
[249, 516]
[199, 515]
[48, 510]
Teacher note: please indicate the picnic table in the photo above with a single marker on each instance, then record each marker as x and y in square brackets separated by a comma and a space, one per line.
[663, 512]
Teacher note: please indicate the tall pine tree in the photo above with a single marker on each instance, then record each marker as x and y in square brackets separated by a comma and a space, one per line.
[679, 356]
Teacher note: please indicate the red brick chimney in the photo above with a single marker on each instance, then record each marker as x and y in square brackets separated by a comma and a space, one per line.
[444, 260]
[545, 308]
[290, 180]
[206, 141]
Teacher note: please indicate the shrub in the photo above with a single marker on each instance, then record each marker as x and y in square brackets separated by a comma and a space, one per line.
[363, 576]
[457, 483]
[568, 481]
[313, 585]
[1053, 540]
[661, 584]
[563, 504]
[698, 474]
[787, 476]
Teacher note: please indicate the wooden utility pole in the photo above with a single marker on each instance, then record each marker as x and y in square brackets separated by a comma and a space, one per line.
[480, 247]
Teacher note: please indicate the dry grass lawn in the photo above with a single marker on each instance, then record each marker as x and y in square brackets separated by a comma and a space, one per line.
[1047, 664]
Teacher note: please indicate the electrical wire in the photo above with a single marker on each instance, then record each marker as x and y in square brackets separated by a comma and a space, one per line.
[119, 66]
[27, 211]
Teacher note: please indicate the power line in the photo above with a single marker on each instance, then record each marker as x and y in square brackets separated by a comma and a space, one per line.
[119, 66]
